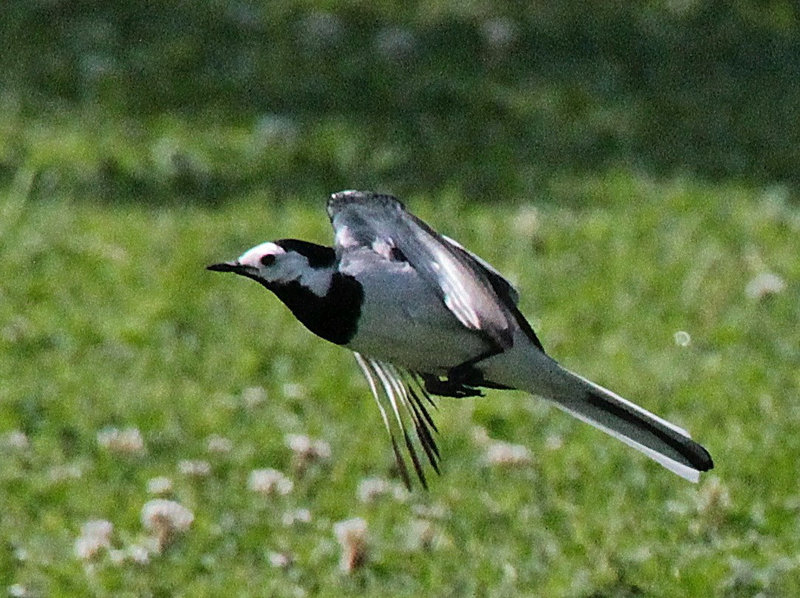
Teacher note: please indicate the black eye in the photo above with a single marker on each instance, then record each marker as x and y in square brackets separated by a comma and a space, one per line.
[267, 259]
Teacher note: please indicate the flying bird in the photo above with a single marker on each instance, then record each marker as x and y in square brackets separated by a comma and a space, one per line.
[426, 317]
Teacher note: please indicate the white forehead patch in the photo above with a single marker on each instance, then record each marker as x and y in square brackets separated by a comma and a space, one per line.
[252, 257]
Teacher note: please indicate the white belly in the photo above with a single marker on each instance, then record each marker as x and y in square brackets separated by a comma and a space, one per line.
[405, 321]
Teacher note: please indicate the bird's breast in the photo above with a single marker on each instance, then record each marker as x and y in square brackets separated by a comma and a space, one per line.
[333, 316]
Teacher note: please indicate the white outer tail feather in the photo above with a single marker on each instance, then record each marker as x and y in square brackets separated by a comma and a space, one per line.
[570, 393]
[674, 466]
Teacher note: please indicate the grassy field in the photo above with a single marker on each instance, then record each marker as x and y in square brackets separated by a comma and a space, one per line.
[129, 374]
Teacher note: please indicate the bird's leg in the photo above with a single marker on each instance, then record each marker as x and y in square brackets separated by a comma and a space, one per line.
[466, 374]
[464, 379]
[448, 388]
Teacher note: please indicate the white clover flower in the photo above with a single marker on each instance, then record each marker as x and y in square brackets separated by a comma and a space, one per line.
[553, 442]
[124, 442]
[87, 548]
[307, 451]
[421, 534]
[395, 43]
[480, 435]
[280, 560]
[499, 32]
[67, 471]
[218, 444]
[713, 504]
[294, 390]
[95, 536]
[139, 554]
[18, 590]
[370, 489]
[269, 482]
[352, 537]
[100, 528]
[506, 454]
[159, 485]
[15, 439]
[321, 30]
[165, 519]
[296, 516]
[196, 468]
[763, 285]
[714, 498]
[254, 396]
[308, 448]
[436, 511]
[274, 130]
[527, 222]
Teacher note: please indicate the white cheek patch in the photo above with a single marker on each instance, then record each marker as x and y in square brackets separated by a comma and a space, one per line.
[287, 267]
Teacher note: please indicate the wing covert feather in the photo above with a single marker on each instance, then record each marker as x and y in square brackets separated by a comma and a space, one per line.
[363, 219]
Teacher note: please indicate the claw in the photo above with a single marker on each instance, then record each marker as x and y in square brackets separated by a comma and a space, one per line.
[449, 387]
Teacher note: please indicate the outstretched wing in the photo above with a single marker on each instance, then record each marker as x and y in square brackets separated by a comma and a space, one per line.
[475, 293]
[403, 402]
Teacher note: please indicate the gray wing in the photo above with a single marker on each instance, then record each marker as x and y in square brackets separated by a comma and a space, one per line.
[498, 282]
[477, 295]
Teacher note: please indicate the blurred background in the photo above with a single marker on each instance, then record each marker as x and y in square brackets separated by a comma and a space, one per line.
[202, 101]
[632, 167]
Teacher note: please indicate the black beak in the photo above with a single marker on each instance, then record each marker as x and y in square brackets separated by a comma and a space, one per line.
[227, 267]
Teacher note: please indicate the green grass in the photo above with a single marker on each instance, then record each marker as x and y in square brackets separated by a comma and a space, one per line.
[108, 319]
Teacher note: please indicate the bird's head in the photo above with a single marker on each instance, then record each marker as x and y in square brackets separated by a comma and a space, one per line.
[280, 263]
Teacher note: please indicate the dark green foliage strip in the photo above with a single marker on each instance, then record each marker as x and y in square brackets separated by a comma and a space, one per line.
[208, 99]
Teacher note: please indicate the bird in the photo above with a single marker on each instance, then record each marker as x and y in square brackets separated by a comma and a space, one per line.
[427, 318]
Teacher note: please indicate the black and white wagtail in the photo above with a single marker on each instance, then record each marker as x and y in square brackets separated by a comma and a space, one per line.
[424, 316]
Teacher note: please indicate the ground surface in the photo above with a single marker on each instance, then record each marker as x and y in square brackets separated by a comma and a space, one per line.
[679, 295]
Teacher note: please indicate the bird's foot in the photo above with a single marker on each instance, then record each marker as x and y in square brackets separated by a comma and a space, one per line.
[466, 374]
[449, 388]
